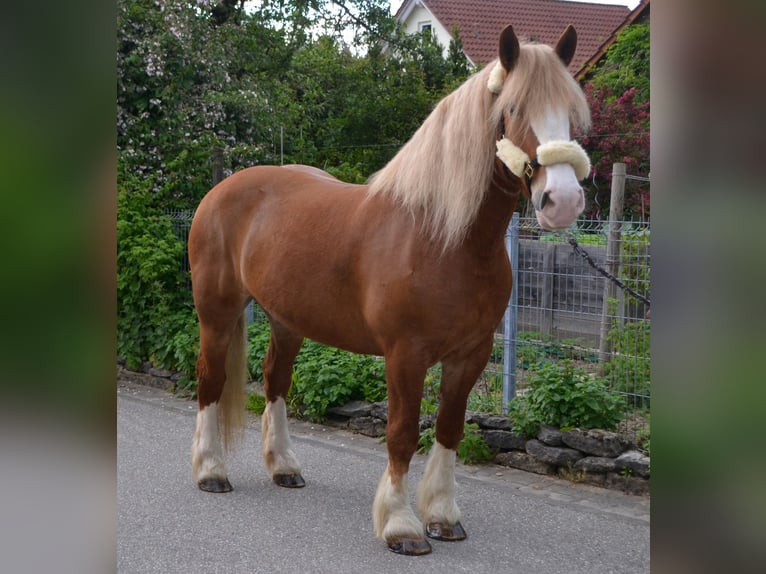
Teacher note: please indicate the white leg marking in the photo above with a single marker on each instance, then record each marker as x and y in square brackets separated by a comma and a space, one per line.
[436, 491]
[278, 452]
[392, 515]
[207, 454]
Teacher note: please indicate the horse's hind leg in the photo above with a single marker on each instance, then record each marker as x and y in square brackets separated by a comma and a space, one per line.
[221, 378]
[436, 491]
[278, 455]
[393, 518]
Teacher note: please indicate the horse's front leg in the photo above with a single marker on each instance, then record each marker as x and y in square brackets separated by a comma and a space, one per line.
[393, 518]
[436, 492]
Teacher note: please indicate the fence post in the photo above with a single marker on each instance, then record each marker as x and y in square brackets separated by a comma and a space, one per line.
[547, 298]
[510, 319]
[612, 258]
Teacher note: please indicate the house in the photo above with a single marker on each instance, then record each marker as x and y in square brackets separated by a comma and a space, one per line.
[481, 21]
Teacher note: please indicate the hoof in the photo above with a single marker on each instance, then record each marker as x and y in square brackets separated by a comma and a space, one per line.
[410, 546]
[439, 531]
[215, 485]
[289, 480]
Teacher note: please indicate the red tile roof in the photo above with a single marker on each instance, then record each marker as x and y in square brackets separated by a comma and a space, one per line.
[481, 22]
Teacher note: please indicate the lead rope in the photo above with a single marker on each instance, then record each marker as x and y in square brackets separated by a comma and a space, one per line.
[584, 254]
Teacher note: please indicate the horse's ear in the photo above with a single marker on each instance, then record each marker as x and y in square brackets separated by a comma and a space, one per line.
[565, 47]
[509, 48]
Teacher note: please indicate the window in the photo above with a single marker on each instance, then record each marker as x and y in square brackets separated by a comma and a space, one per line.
[424, 27]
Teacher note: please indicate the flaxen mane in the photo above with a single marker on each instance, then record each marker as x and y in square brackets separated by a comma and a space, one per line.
[443, 171]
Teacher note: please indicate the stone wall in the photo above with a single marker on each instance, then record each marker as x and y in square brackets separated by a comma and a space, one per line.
[594, 456]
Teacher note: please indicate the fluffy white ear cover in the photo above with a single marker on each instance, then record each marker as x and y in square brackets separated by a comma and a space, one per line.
[565, 152]
[496, 79]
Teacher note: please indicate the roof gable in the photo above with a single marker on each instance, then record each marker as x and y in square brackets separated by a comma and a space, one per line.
[481, 22]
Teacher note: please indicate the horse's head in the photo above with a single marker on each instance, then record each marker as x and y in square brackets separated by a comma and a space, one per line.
[538, 103]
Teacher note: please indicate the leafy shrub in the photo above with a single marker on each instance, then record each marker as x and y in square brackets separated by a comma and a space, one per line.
[429, 404]
[471, 450]
[426, 440]
[629, 366]
[563, 395]
[178, 338]
[256, 403]
[635, 270]
[258, 335]
[155, 314]
[348, 173]
[533, 348]
[323, 376]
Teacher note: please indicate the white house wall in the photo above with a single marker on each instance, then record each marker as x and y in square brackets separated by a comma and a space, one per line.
[419, 15]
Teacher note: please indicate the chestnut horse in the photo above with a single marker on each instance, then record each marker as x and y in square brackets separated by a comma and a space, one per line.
[411, 267]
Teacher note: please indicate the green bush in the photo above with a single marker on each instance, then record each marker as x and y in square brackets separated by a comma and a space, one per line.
[565, 396]
[471, 450]
[323, 376]
[533, 348]
[426, 440]
[258, 335]
[635, 270]
[155, 313]
[429, 404]
[349, 173]
[629, 366]
[256, 403]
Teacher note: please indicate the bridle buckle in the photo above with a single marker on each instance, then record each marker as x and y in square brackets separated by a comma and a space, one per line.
[529, 170]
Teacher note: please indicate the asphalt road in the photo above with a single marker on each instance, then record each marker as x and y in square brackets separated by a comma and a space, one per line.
[517, 522]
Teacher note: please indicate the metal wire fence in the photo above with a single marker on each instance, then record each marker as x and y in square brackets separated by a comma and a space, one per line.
[565, 309]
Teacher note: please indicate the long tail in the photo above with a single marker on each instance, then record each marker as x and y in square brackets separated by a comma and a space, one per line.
[231, 405]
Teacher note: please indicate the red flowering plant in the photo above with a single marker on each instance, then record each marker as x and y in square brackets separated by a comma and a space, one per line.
[619, 133]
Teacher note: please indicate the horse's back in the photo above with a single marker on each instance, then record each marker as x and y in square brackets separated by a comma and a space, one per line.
[233, 203]
[267, 231]
[311, 170]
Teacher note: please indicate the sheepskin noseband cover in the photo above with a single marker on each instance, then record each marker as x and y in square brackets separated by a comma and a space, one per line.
[549, 153]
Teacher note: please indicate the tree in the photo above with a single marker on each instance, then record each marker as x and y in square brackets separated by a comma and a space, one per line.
[626, 63]
[618, 94]
[620, 133]
[194, 76]
[228, 11]
[186, 86]
[456, 57]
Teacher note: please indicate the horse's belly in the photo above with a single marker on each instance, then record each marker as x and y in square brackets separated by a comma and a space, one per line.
[311, 293]
[325, 320]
